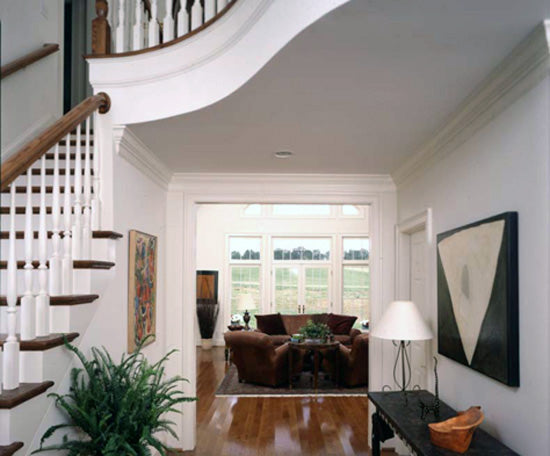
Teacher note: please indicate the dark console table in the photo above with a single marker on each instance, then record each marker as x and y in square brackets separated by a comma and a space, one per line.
[395, 416]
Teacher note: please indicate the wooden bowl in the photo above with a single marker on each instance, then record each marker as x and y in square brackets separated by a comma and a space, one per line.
[456, 433]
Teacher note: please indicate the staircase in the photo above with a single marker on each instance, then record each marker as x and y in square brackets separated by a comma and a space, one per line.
[52, 251]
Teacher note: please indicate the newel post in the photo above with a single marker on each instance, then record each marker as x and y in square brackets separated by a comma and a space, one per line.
[101, 31]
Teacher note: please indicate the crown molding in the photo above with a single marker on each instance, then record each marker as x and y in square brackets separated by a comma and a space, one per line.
[521, 70]
[135, 152]
[281, 184]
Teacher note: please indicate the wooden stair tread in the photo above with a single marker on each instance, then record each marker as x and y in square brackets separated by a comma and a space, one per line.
[61, 300]
[26, 391]
[96, 234]
[63, 156]
[9, 450]
[77, 264]
[41, 343]
[36, 189]
[21, 210]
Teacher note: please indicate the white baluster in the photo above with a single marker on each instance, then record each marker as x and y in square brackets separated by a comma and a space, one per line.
[120, 32]
[10, 356]
[221, 5]
[77, 216]
[67, 261]
[153, 24]
[86, 228]
[28, 306]
[209, 9]
[96, 204]
[138, 27]
[55, 259]
[42, 300]
[183, 20]
[145, 23]
[196, 15]
[168, 23]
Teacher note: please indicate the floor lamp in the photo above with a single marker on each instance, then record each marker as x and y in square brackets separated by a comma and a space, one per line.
[402, 323]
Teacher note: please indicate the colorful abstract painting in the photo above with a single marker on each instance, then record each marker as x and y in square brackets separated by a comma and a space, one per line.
[142, 288]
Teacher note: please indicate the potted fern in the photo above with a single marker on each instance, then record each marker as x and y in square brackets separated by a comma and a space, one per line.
[116, 408]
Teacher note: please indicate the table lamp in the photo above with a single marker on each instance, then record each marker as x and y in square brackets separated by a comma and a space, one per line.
[246, 303]
[402, 323]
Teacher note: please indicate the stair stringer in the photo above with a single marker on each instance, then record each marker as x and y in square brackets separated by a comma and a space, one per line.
[206, 67]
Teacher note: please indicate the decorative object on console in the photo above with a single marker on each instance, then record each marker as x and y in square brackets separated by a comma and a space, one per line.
[207, 286]
[402, 322]
[477, 296]
[235, 319]
[315, 332]
[456, 433]
[434, 407]
[207, 314]
[235, 327]
[365, 324]
[142, 288]
[246, 303]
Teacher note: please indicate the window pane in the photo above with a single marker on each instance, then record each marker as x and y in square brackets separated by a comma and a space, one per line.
[253, 209]
[286, 290]
[356, 293]
[294, 249]
[350, 209]
[356, 249]
[316, 290]
[301, 209]
[245, 280]
[244, 248]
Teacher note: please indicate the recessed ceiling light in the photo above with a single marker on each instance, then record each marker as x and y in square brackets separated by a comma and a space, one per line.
[283, 154]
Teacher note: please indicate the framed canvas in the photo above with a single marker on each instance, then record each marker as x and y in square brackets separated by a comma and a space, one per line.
[477, 296]
[207, 287]
[142, 288]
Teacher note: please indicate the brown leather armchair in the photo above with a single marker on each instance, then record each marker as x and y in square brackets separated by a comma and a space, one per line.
[257, 359]
[354, 362]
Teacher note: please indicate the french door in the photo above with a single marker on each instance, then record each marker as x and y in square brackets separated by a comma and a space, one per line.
[301, 289]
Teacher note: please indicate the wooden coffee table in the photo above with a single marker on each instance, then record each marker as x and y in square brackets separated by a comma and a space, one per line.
[315, 348]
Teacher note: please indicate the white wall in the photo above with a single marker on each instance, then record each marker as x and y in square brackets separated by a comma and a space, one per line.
[216, 221]
[32, 98]
[503, 167]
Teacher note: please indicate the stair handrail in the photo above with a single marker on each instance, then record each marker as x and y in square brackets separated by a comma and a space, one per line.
[23, 159]
[28, 59]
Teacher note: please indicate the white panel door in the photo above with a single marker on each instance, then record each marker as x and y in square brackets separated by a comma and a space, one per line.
[420, 351]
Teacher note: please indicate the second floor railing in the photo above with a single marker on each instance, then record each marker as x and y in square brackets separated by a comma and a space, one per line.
[125, 27]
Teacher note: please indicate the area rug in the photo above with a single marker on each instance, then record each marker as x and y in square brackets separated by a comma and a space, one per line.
[230, 387]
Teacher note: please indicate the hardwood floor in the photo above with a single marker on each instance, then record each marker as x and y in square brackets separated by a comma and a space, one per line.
[322, 426]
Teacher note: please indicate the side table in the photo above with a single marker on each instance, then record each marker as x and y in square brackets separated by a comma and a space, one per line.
[316, 349]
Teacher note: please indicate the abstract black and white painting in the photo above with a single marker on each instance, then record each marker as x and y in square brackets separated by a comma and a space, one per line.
[477, 296]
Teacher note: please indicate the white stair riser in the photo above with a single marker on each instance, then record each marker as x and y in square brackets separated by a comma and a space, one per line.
[80, 280]
[39, 366]
[65, 319]
[102, 249]
[19, 424]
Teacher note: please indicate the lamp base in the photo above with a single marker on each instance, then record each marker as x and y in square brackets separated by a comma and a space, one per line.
[246, 319]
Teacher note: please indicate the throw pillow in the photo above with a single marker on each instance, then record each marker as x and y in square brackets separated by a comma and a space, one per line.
[340, 324]
[271, 324]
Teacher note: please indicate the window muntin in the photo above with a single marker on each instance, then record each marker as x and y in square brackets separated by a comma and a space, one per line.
[301, 249]
[246, 280]
[301, 210]
[245, 248]
[356, 248]
[286, 290]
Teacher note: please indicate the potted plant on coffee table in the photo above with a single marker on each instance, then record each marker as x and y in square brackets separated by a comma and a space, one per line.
[315, 332]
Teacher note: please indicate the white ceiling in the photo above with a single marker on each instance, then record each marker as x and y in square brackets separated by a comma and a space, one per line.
[357, 92]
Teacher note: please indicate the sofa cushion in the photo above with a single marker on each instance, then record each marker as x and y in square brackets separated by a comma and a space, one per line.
[271, 324]
[280, 339]
[293, 323]
[320, 318]
[340, 324]
[343, 339]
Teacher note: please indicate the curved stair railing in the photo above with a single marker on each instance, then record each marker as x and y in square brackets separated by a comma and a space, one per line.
[129, 27]
[70, 140]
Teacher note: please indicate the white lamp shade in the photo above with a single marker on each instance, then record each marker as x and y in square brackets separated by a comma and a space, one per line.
[246, 302]
[402, 321]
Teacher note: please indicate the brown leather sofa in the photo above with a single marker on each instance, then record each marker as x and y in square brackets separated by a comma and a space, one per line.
[279, 327]
[354, 362]
[258, 360]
